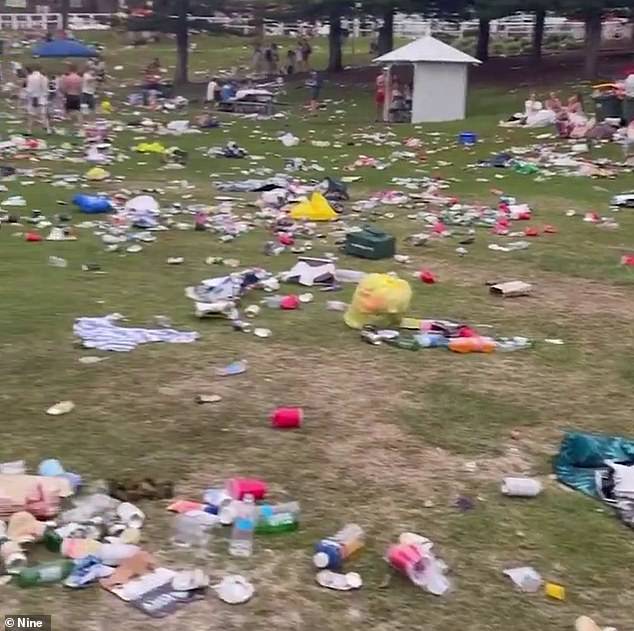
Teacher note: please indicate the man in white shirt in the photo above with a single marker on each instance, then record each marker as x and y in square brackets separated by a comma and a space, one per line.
[37, 96]
[212, 88]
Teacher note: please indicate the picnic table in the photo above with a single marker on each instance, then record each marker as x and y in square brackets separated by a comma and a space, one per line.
[249, 101]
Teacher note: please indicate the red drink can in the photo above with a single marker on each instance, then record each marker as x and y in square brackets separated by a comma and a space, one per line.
[287, 418]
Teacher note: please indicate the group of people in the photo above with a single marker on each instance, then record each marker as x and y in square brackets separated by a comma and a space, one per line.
[569, 118]
[73, 93]
[393, 99]
[267, 60]
[571, 121]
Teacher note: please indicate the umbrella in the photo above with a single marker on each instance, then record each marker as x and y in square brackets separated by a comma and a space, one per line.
[63, 48]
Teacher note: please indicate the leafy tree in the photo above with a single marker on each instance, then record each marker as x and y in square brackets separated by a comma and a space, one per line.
[592, 12]
[64, 9]
[334, 11]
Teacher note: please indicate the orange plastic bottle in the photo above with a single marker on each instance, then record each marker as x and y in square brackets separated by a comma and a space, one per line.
[472, 345]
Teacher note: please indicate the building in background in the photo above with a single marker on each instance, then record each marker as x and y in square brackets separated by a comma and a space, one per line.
[53, 6]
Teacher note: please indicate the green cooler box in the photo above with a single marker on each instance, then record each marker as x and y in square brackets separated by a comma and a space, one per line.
[370, 243]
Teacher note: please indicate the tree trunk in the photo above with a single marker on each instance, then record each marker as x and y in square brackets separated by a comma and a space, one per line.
[484, 35]
[386, 32]
[538, 34]
[593, 43]
[335, 54]
[258, 24]
[182, 44]
[65, 9]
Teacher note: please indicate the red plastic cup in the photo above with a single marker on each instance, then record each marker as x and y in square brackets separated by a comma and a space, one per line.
[287, 418]
[285, 239]
[289, 302]
[32, 236]
[405, 558]
[427, 277]
[627, 259]
[531, 232]
[239, 487]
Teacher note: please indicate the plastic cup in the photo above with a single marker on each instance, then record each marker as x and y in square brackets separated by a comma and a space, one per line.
[239, 487]
[287, 418]
[521, 487]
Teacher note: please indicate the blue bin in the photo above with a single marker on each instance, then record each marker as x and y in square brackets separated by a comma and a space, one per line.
[467, 138]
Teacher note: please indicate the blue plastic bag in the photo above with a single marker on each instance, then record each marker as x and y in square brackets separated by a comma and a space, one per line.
[92, 204]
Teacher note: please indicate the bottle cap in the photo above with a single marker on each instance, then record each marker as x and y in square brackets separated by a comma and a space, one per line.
[321, 560]
[227, 515]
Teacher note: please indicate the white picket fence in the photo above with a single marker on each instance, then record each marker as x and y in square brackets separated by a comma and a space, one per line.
[515, 26]
[50, 21]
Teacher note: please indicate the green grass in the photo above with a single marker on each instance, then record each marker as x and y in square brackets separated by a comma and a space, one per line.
[390, 436]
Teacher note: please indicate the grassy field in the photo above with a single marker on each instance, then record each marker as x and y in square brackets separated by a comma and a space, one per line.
[392, 438]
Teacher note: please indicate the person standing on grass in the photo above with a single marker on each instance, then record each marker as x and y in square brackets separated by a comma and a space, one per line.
[37, 94]
[212, 88]
[315, 85]
[88, 91]
[379, 97]
[307, 51]
[257, 60]
[71, 86]
[291, 59]
[275, 60]
[100, 70]
[21, 73]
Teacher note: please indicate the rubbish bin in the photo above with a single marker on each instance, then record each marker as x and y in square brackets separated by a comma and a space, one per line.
[608, 106]
[628, 108]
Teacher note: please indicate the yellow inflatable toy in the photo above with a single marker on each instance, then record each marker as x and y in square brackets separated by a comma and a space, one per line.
[379, 300]
[315, 209]
[97, 174]
[150, 147]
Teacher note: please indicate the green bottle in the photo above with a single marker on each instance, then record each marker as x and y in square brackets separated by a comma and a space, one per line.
[45, 573]
[52, 541]
[277, 518]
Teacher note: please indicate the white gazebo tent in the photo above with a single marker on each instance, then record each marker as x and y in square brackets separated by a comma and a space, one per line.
[440, 78]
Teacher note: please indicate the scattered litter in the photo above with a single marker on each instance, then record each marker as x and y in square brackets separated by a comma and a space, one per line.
[555, 591]
[208, 398]
[236, 368]
[526, 578]
[339, 582]
[105, 335]
[512, 289]
[521, 487]
[63, 407]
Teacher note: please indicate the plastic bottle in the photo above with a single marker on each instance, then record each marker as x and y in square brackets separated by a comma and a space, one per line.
[427, 340]
[508, 345]
[472, 345]
[241, 542]
[273, 302]
[274, 518]
[44, 573]
[348, 275]
[52, 540]
[331, 552]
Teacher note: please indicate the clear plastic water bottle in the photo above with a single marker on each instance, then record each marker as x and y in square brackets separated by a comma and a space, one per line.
[241, 542]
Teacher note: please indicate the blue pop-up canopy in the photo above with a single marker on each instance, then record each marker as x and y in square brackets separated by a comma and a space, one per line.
[63, 48]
